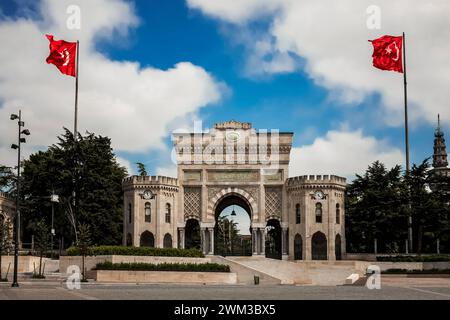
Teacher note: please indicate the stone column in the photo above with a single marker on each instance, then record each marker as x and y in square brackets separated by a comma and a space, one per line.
[255, 241]
[284, 243]
[211, 240]
[202, 240]
[263, 242]
[181, 238]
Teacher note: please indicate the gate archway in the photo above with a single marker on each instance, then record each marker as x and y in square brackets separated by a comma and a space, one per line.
[298, 247]
[192, 238]
[232, 234]
[338, 247]
[147, 239]
[319, 246]
[273, 239]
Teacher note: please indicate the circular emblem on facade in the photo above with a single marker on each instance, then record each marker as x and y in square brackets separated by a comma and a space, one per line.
[233, 136]
[147, 195]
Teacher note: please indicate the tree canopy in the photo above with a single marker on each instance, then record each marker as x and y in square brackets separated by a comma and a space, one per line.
[379, 202]
[92, 171]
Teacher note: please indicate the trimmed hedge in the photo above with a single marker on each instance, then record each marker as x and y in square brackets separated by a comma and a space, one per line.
[430, 258]
[181, 267]
[405, 271]
[137, 251]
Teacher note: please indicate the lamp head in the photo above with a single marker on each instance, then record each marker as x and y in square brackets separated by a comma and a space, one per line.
[14, 117]
[26, 132]
[14, 146]
[23, 140]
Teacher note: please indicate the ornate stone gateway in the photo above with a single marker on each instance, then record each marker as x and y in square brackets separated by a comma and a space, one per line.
[234, 164]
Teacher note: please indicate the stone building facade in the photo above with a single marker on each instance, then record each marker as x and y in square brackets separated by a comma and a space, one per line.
[7, 210]
[235, 164]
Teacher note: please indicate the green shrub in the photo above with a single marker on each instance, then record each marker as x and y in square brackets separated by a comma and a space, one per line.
[183, 267]
[428, 258]
[404, 271]
[137, 251]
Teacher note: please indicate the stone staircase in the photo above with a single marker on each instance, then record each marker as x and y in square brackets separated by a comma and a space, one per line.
[270, 271]
[246, 275]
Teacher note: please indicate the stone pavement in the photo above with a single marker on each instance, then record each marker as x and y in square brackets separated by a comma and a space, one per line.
[92, 291]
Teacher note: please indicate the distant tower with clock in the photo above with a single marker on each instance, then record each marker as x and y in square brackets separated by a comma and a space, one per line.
[233, 164]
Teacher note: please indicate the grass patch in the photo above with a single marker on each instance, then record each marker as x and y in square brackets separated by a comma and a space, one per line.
[180, 267]
[137, 251]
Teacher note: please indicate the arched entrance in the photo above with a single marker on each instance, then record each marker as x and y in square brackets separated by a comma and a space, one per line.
[167, 242]
[232, 234]
[273, 239]
[319, 246]
[337, 247]
[192, 238]
[298, 247]
[147, 239]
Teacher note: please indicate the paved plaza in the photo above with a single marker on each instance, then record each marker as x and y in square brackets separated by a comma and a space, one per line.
[422, 289]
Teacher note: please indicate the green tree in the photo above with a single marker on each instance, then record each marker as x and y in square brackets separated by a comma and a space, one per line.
[375, 209]
[228, 239]
[84, 240]
[429, 209]
[92, 171]
[5, 240]
[141, 169]
[41, 242]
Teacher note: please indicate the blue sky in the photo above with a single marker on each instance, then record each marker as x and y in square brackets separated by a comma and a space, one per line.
[170, 32]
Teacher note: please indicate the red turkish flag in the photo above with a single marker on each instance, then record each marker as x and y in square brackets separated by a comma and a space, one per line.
[63, 55]
[387, 53]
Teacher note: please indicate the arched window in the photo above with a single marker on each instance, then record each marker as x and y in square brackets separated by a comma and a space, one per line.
[148, 212]
[147, 239]
[129, 213]
[298, 217]
[338, 213]
[318, 213]
[167, 213]
[167, 243]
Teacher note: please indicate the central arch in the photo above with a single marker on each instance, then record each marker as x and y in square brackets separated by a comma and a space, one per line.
[226, 242]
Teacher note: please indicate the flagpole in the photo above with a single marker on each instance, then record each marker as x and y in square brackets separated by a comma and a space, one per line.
[75, 125]
[405, 88]
[75, 132]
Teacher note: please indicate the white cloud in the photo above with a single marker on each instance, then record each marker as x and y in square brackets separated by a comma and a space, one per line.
[332, 38]
[168, 171]
[127, 164]
[134, 105]
[342, 153]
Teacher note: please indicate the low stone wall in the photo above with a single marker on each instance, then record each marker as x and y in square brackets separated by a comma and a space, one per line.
[26, 263]
[120, 276]
[91, 262]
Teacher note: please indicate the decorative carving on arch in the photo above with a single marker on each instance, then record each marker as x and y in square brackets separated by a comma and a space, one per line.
[192, 203]
[213, 201]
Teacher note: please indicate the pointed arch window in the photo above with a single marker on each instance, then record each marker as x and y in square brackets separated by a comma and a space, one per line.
[129, 213]
[148, 212]
[168, 213]
[318, 213]
[338, 213]
[298, 216]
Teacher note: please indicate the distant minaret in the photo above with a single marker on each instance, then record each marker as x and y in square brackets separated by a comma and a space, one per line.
[440, 153]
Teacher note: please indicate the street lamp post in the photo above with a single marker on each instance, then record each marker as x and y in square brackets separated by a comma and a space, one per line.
[53, 199]
[17, 217]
